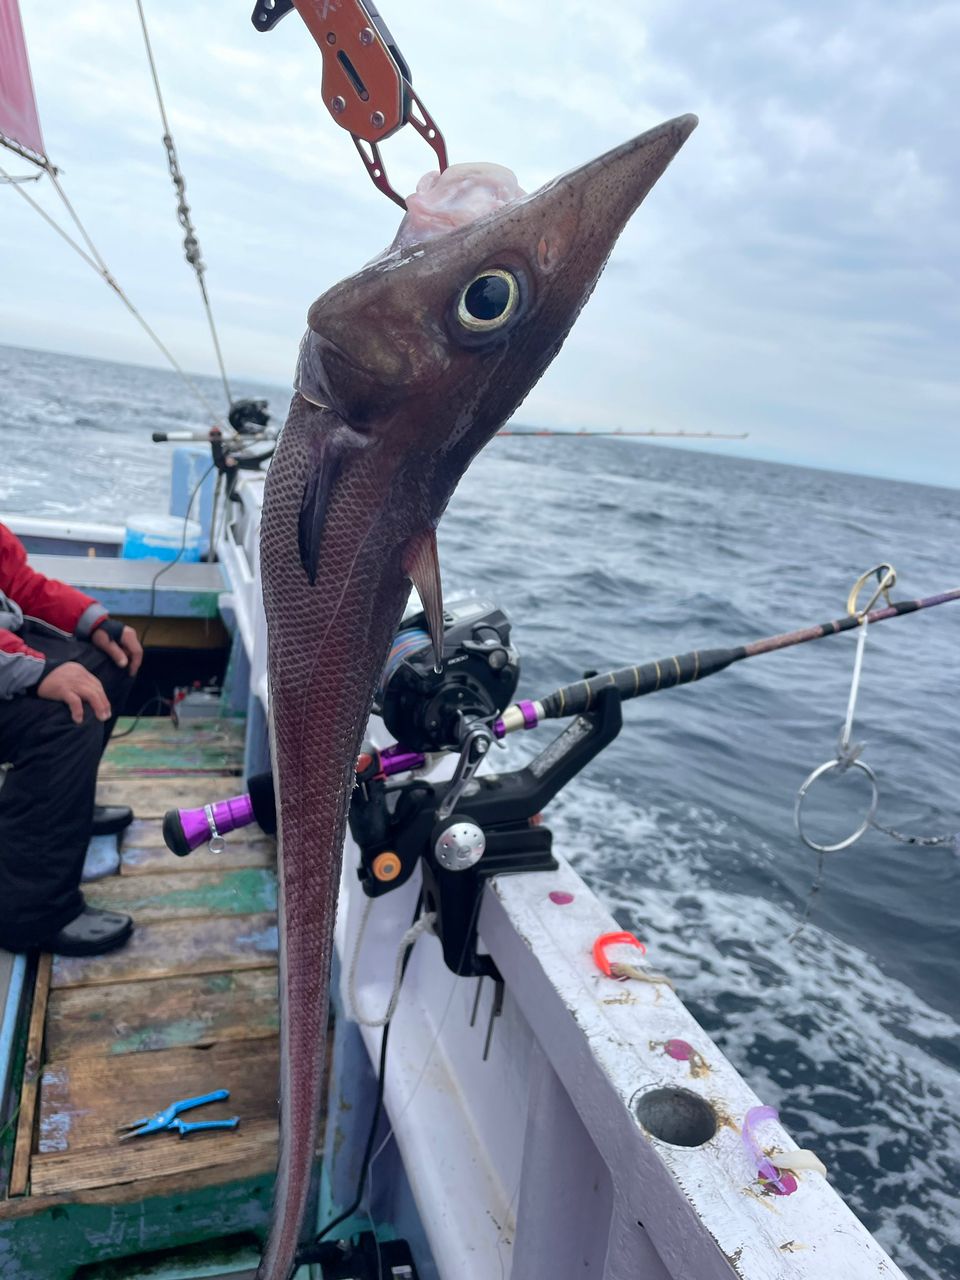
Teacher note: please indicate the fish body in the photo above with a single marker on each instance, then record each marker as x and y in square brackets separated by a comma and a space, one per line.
[408, 368]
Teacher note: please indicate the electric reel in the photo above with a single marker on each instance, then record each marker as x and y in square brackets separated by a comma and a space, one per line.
[426, 709]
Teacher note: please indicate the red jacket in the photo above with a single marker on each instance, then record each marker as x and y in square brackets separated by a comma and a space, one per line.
[25, 593]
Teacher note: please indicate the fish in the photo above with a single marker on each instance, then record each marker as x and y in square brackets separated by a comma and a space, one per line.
[408, 368]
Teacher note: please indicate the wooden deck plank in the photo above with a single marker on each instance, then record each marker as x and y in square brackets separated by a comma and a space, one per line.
[229, 731]
[133, 1193]
[144, 853]
[202, 747]
[152, 797]
[168, 762]
[20, 1172]
[177, 948]
[189, 1005]
[82, 1105]
[180, 1184]
[187, 895]
[135, 1017]
[251, 1149]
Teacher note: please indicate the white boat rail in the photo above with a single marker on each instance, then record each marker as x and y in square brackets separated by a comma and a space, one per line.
[543, 1159]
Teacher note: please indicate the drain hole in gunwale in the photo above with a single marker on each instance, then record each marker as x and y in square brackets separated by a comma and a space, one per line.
[676, 1116]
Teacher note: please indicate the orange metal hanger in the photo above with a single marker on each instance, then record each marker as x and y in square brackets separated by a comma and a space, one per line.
[366, 81]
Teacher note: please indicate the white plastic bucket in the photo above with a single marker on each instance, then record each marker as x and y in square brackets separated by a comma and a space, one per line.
[160, 538]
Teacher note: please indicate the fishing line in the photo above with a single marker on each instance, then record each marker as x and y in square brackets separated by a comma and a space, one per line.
[923, 842]
[157, 698]
[424, 924]
[503, 1228]
[848, 753]
[368, 1157]
[151, 615]
[811, 898]
[97, 264]
[376, 1241]
[434, 1042]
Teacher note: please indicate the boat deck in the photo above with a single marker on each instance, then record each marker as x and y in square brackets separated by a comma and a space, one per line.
[187, 1007]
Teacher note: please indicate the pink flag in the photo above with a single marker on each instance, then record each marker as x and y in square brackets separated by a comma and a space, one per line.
[18, 109]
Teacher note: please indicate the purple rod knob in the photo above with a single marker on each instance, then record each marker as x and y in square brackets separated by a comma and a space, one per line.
[186, 829]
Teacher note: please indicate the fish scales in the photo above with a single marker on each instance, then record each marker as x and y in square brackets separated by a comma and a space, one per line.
[324, 663]
[399, 385]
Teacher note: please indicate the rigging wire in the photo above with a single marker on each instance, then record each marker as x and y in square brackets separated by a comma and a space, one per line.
[94, 260]
[191, 244]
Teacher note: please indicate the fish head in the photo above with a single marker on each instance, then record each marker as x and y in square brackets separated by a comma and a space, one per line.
[420, 358]
[431, 348]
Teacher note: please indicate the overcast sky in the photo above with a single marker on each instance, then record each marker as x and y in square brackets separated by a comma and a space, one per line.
[796, 273]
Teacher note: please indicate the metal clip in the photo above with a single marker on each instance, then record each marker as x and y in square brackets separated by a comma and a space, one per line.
[267, 13]
[848, 751]
[216, 843]
[366, 81]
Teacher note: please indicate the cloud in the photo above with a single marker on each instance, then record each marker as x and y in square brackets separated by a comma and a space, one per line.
[795, 274]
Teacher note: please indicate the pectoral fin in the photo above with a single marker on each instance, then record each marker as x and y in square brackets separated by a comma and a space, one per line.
[422, 566]
[329, 451]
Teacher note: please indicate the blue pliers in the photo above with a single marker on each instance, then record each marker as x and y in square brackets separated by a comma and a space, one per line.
[168, 1119]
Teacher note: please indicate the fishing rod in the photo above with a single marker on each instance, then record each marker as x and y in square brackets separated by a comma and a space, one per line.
[687, 668]
[466, 706]
[463, 829]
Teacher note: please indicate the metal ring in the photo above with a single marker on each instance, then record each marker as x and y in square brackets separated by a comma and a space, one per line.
[829, 767]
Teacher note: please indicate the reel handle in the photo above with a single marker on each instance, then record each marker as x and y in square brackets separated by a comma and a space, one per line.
[187, 829]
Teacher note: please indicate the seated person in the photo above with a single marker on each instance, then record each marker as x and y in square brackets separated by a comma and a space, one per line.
[65, 671]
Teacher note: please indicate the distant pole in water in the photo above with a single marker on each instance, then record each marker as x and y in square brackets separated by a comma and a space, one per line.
[649, 435]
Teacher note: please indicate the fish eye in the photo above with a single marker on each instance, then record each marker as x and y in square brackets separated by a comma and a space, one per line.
[489, 301]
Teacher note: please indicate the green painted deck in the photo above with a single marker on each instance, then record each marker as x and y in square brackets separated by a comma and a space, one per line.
[188, 1006]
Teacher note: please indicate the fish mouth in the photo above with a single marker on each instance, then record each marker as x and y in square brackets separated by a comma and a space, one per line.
[311, 379]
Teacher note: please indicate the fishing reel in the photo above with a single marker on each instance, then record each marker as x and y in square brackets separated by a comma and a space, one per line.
[426, 709]
[465, 830]
[462, 830]
[249, 417]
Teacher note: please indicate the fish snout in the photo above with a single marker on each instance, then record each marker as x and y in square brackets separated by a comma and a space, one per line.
[583, 212]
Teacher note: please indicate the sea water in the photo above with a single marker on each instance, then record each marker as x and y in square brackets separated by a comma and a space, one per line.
[610, 552]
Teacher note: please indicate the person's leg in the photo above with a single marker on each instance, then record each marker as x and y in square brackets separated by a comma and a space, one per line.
[108, 820]
[115, 680]
[47, 800]
[46, 810]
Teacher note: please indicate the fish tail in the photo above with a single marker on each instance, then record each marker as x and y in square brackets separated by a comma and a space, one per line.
[303, 999]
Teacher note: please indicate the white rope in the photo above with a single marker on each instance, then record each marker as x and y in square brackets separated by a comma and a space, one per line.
[455, 987]
[191, 244]
[95, 252]
[423, 925]
[95, 261]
